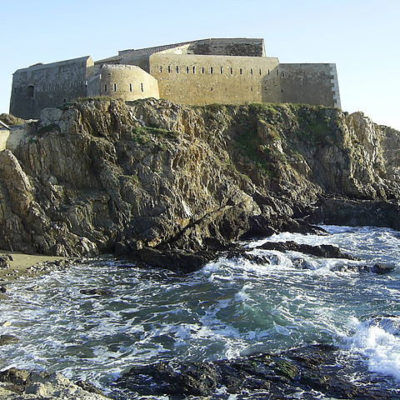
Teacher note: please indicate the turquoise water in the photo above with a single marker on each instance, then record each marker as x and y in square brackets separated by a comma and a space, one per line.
[230, 308]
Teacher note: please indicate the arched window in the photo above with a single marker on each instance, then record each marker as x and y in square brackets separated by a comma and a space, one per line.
[203, 70]
[115, 87]
[194, 70]
[241, 71]
[31, 91]
[169, 69]
[177, 69]
[222, 70]
[211, 70]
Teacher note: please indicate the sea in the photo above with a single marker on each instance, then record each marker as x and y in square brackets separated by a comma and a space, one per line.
[230, 308]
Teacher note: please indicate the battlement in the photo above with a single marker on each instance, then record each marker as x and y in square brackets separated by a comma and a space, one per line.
[215, 70]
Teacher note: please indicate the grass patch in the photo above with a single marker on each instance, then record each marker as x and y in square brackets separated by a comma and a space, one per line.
[48, 128]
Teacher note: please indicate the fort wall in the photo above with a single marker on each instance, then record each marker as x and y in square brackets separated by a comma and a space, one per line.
[239, 47]
[226, 71]
[200, 79]
[126, 82]
[48, 85]
[310, 84]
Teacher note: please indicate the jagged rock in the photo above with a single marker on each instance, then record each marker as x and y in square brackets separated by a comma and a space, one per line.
[160, 175]
[311, 369]
[8, 339]
[323, 250]
[175, 260]
[243, 254]
[11, 120]
[19, 384]
[96, 292]
[381, 269]
[5, 261]
[3, 289]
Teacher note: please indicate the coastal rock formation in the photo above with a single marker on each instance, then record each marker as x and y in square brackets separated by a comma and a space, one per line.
[307, 371]
[20, 384]
[100, 175]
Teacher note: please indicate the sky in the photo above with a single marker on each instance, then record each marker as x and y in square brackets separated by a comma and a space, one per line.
[361, 36]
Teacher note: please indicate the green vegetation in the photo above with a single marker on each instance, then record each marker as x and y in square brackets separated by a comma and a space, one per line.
[249, 143]
[142, 135]
[48, 128]
[316, 124]
[100, 98]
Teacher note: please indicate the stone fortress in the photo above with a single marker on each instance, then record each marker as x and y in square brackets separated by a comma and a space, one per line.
[226, 71]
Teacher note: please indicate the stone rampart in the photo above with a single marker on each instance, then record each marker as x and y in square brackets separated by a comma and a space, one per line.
[126, 82]
[48, 85]
[199, 80]
[310, 84]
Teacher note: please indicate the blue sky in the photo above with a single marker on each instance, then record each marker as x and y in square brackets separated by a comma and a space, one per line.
[360, 36]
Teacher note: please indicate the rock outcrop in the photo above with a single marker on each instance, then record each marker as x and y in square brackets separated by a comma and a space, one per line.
[304, 373]
[20, 384]
[100, 175]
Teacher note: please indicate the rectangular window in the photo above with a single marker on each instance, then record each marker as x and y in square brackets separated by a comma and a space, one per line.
[115, 87]
[251, 71]
[141, 87]
[177, 69]
[194, 70]
[169, 68]
[105, 88]
[130, 87]
[231, 71]
[211, 70]
[222, 70]
[241, 71]
[203, 70]
[160, 68]
[187, 70]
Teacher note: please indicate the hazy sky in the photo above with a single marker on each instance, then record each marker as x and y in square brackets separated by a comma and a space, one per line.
[360, 36]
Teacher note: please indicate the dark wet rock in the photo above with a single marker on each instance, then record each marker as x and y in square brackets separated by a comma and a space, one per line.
[89, 387]
[175, 260]
[243, 254]
[14, 375]
[311, 369]
[8, 339]
[97, 292]
[3, 289]
[354, 212]
[323, 250]
[381, 269]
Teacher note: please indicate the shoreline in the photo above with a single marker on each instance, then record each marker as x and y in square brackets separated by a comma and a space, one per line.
[24, 265]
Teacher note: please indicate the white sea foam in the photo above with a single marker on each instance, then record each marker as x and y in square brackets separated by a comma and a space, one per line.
[378, 341]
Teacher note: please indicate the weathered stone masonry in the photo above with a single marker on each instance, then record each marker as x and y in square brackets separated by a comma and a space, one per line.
[227, 71]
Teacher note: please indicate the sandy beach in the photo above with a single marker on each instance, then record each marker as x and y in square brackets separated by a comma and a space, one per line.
[28, 265]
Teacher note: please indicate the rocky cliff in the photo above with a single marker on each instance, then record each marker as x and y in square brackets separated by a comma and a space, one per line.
[101, 176]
